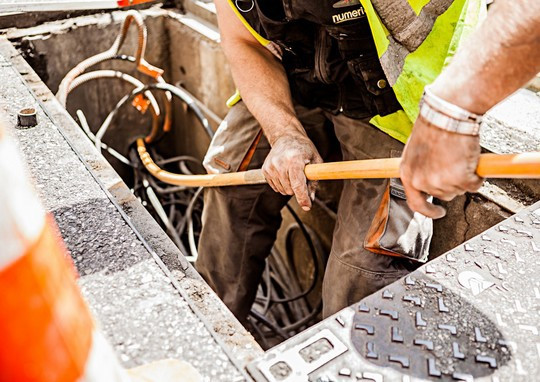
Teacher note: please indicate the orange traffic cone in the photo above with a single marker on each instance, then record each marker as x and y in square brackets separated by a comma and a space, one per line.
[47, 331]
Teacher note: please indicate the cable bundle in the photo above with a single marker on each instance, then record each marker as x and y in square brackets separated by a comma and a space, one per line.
[282, 307]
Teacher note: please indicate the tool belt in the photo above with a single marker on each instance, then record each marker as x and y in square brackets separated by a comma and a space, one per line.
[330, 62]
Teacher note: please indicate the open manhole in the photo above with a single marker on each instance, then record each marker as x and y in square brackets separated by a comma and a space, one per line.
[187, 49]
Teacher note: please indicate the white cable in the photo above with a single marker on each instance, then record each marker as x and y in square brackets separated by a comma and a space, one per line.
[92, 137]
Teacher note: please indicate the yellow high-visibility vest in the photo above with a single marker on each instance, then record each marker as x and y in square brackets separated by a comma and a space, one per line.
[415, 41]
[417, 51]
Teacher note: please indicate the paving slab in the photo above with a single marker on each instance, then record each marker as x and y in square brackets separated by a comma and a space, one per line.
[513, 126]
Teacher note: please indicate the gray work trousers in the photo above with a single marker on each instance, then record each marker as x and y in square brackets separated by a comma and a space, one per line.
[240, 223]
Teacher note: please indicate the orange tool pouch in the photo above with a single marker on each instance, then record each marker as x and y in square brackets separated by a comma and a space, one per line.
[249, 155]
[398, 231]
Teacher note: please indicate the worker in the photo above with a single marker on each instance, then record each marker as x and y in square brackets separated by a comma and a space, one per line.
[308, 70]
[442, 154]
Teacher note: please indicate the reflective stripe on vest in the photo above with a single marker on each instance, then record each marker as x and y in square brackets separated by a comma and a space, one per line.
[236, 97]
[415, 40]
[257, 36]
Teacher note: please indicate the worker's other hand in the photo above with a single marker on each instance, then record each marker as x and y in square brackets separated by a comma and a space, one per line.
[284, 167]
[439, 163]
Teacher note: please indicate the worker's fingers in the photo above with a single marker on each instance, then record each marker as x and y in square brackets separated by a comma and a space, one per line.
[474, 184]
[269, 180]
[313, 184]
[271, 183]
[285, 181]
[278, 168]
[447, 192]
[312, 188]
[417, 202]
[299, 186]
[279, 185]
[446, 197]
[271, 176]
[437, 185]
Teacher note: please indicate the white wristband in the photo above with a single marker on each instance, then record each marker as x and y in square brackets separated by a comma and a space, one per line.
[448, 116]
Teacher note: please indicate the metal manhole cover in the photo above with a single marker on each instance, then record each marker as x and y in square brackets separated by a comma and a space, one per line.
[427, 331]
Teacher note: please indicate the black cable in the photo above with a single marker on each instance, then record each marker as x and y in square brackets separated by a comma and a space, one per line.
[268, 282]
[280, 308]
[305, 320]
[262, 319]
[314, 258]
[175, 91]
[184, 158]
[184, 221]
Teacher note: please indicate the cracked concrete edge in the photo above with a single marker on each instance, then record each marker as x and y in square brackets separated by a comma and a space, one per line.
[477, 209]
[198, 20]
[202, 9]
[239, 342]
[65, 25]
[28, 19]
[500, 197]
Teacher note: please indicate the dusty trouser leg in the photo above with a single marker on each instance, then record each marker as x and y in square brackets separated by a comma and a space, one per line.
[353, 272]
[239, 229]
[240, 223]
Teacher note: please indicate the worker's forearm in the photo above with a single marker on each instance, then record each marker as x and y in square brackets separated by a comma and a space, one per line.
[498, 59]
[264, 87]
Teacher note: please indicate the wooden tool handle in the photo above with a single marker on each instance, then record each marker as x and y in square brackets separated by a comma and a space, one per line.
[525, 165]
[354, 169]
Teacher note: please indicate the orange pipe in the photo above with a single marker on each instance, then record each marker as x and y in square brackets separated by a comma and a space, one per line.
[525, 165]
[128, 3]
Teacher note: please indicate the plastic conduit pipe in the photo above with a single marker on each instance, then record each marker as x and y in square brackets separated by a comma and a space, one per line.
[100, 74]
[113, 53]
